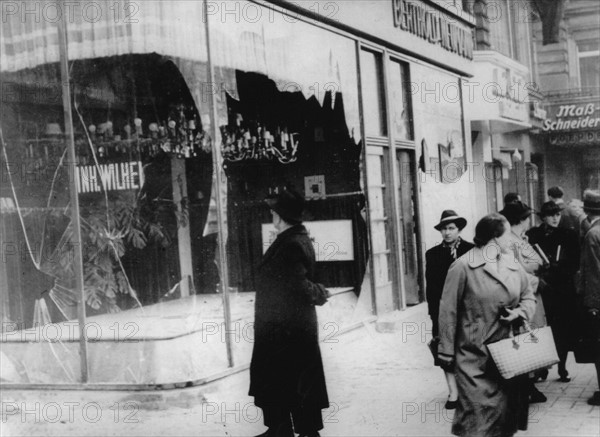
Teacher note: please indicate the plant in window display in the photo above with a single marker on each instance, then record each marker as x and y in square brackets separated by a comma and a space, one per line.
[128, 219]
[135, 123]
[105, 235]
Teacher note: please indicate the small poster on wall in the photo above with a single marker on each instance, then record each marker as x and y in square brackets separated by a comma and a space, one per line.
[451, 158]
[332, 239]
[314, 186]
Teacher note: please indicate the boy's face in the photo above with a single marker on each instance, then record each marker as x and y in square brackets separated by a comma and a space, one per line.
[450, 233]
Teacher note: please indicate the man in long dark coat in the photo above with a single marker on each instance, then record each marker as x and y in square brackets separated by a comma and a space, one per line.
[561, 247]
[437, 262]
[589, 285]
[286, 372]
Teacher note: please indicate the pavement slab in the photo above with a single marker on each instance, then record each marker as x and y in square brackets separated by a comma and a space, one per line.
[380, 382]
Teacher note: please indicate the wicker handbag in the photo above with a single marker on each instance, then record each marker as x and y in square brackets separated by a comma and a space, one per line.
[524, 353]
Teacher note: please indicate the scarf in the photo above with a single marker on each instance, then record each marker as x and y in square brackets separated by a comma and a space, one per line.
[452, 246]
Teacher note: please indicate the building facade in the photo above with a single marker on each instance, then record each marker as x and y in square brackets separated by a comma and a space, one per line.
[138, 145]
[504, 103]
[568, 143]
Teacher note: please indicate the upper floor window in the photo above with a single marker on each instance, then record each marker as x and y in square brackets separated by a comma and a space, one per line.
[589, 64]
[373, 93]
[509, 29]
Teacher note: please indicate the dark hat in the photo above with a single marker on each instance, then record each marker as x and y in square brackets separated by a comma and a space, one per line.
[516, 212]
[555, 192]
[449, 216]
[511, 198]
[549, 208]
[591, 201]
[288, 204]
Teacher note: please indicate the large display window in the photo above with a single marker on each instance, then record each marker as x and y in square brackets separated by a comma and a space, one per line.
[288, 118]
[143, 173]
[172, 163]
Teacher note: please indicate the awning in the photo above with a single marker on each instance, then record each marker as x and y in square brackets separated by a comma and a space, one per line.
[499, 125]
[296, 55]
[101, 29]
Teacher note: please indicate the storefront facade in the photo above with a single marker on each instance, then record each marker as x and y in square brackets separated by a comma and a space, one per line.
[502, 105]
[161, 129]
[572, 136]
[568, 140]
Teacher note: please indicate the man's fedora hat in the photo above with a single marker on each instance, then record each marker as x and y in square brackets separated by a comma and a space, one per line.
[288, 204]
[450, 216]
[591, 201]
[549, 208]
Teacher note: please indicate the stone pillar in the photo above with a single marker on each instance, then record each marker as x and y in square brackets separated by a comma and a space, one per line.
[553, 60]
[482, 25]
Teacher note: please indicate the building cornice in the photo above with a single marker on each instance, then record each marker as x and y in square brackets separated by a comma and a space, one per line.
[499, 59]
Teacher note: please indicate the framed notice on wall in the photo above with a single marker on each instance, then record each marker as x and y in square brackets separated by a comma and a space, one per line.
[332, 239]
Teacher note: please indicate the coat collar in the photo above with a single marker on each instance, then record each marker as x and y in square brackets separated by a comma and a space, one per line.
[285, 235]
[477, 258]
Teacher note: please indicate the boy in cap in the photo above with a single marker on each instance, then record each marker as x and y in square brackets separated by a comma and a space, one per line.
[437, 262]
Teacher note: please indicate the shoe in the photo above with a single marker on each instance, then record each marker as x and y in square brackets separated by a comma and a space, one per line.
[542, 375]
[594, 400]
[564, 378]
[451, 405]
[281, 432]
[537, 396]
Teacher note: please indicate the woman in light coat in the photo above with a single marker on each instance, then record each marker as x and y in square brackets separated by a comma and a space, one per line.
[481, 286]
[518, 215]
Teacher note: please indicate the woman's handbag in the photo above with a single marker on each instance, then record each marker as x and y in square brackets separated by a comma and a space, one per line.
[524, 353]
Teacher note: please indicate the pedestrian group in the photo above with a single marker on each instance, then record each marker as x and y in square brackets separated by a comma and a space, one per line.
[511, 278]
[514, 279]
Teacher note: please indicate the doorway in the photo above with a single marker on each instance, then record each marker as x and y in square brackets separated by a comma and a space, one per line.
[408, 225]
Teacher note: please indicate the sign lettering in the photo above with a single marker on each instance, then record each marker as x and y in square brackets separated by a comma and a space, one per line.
[573, 117]
[117, 176]
[433, 26]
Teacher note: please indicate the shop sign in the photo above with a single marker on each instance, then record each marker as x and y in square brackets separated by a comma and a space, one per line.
[117, 176]
[511, 92]
[332, 239]
[513, 110]
[571, 138]
[573, 117]
[433, 27]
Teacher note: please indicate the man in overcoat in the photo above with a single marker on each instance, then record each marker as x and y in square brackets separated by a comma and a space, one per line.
[560, 245]
[437, 262]
[589, 285]
[286, 372]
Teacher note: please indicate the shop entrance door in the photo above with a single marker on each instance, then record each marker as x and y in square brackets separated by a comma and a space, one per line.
[382, 237]
[407, 225]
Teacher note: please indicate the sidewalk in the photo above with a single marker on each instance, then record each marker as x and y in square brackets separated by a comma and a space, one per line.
[380, 384]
